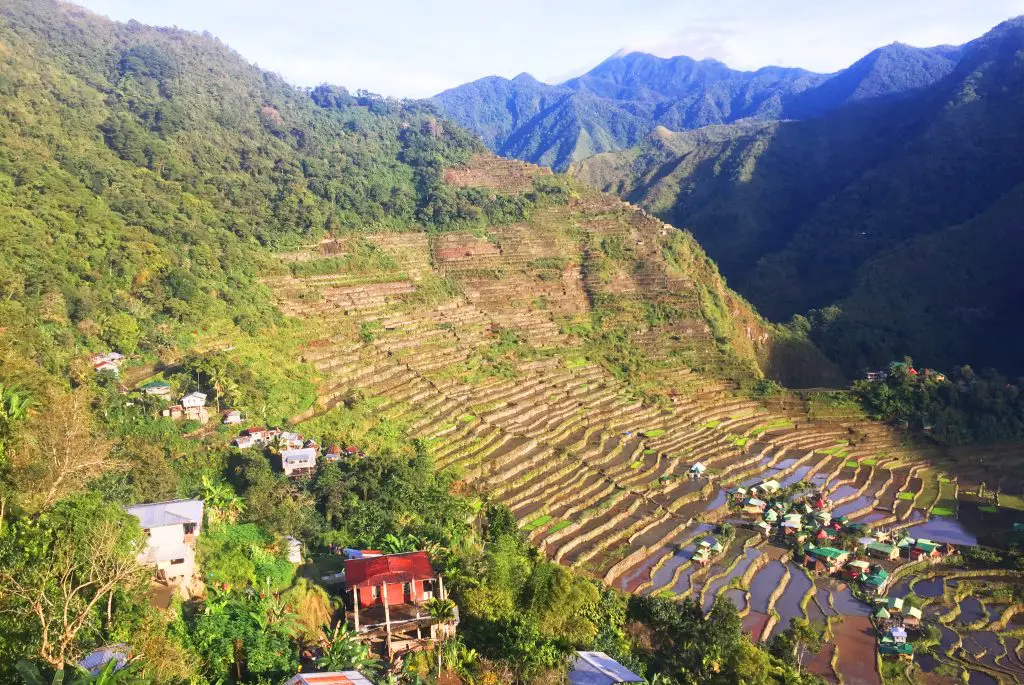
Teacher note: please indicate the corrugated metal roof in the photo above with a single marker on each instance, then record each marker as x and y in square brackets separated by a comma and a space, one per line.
[176, 511]
[597, 668]
[305, 455]
[330, 678]
[96, 660]
[390, 568]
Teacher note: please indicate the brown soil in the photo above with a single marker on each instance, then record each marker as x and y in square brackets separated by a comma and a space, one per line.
[855, 638]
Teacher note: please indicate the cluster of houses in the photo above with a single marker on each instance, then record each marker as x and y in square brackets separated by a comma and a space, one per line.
[894, 618]
[924, 374]
[298, 455]
[707, 549]
[191, 407]
[808, 523]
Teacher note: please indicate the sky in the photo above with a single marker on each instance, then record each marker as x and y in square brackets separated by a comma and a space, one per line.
[417, 48]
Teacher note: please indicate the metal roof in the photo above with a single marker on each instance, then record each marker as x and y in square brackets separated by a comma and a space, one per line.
[305, 455]
[597, 668]
[390, 568]
[96, 660]
[330, 678]
[178, 511]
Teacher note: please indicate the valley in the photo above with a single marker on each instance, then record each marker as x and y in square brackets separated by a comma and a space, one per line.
[599, 479]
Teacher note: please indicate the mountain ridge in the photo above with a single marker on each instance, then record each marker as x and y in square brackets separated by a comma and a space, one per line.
[806, 217]
[627, 95]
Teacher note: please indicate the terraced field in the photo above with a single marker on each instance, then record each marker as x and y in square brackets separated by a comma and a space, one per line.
[495, 375]
[483, 345]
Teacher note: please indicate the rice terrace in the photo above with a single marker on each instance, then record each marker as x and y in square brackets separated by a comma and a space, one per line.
[532, 361]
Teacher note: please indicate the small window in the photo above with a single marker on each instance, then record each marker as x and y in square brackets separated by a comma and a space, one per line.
[175, 562]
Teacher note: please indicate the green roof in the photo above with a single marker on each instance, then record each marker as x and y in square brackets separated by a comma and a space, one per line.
[914, 611]
[828, 552]
[898, 648]
[881, 547]
[882, 613]
[926, 546]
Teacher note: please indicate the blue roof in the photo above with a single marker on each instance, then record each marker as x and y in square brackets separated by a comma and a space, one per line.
[597, 668]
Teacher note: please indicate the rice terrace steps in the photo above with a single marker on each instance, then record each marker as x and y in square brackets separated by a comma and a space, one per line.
[482, 344]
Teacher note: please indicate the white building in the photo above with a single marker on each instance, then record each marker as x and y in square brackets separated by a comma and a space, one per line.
[171, 530]
[233, 417]
[193, 400]
[298, 462]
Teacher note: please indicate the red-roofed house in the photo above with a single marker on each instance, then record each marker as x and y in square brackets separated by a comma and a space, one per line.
[391, 578]
[388, 592]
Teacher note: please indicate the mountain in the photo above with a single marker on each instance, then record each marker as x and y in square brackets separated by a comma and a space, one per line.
[618, 102]
[882, 215]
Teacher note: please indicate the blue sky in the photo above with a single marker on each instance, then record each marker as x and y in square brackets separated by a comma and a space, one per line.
[416, 48]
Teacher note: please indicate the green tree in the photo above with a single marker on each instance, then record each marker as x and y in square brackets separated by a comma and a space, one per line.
[346, 652]
[442, 611]
[61, 573]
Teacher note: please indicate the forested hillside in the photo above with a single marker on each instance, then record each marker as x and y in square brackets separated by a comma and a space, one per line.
[615, 104]
[163, 199]
[892, 220]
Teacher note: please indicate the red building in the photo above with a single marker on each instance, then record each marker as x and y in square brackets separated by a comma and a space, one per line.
[393, 579]
[388, 593]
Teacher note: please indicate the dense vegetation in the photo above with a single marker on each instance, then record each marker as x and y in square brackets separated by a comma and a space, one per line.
[618, 102]
[892, 219]
[963, 408]
[143, 175]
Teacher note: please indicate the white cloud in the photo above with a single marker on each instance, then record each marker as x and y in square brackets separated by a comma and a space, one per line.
[419, 47]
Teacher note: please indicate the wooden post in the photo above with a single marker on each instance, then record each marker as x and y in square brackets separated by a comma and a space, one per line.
[387, 614]
[355, 605]
[440, 587]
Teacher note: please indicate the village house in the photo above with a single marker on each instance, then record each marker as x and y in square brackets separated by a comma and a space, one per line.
[107, 362]
[232, 418]
[827, 559]
[903, 652]
[853, 570]
[298, 462]
[290, 440]
[386, 594]
[754, 506]
[697, 471]
[925, 549]
[171, 530]
[333, 453]
[194, 407]
[157, 389]
[254, 436]
[875, 581]
[768, 487]
[881, 550]
[597, 668]
[912, 618]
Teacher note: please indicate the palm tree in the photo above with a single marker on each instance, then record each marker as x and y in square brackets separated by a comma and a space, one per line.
[442, 611]
[345, 652]
[221, 499]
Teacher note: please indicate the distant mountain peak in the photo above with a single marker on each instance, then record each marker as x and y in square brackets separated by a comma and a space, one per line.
[525, 78]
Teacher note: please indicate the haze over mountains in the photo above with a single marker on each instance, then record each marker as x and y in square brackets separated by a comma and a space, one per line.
[622, 99]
